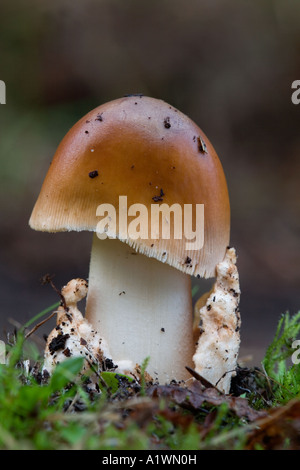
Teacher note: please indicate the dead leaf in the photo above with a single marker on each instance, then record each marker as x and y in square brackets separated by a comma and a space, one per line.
[196, 395]
[279, 430]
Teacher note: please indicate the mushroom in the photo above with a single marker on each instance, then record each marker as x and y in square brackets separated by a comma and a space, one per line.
[133, 153]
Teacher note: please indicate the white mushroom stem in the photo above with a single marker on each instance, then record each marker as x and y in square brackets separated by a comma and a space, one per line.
[219, 324]
[143, 308]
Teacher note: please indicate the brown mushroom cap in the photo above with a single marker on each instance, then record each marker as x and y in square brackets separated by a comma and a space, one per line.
[144, 149]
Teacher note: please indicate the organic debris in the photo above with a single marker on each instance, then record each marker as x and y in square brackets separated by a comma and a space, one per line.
[104, 409]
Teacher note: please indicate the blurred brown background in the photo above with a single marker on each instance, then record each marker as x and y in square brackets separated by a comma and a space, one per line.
[228, 64]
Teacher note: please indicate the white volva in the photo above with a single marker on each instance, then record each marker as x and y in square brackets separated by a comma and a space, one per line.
[218, 324]
[73, 335]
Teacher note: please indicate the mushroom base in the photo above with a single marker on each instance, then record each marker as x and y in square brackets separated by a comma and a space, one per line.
[217, 324]
[142, 308]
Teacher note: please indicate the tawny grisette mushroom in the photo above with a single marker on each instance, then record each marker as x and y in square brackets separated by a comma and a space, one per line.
[139, 155]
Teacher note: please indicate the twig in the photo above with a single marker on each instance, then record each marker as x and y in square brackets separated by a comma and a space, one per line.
[47, 279]
[40, 324]
[201, 379]
[224, 375]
